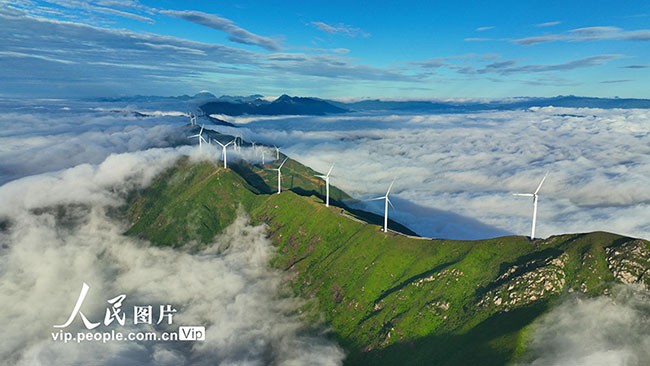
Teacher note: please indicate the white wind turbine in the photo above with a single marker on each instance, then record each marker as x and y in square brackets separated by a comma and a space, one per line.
[280, 175]
[199, 136]
[386, 202]
[277, 152]
[224, 152]
[535, 196]
[238, 142]
[326, 178]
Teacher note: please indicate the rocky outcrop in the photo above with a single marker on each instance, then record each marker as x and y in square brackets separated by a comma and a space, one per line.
[630, 262]
[539, 279]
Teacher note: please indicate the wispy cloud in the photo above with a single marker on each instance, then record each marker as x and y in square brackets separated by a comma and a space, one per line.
[52, 56]
[548, 24]
[340, 28]
[332, 66]
[636, 67]
[38, 51]
[616, 81]
[483, 39]
[467, 64]
[39, 57]
[124, 9]
[483, 29]
[513, 67]
[588, 34]
[235, 33]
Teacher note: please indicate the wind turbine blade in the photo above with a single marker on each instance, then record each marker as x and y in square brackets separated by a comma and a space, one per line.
[193, 136]
[201, 132]
[375, 199]
[321, 176]
[390, 203]
[218, 142]
[540, 183]
[330, 171]
[389, 187]
[523, 194]
[285, 160]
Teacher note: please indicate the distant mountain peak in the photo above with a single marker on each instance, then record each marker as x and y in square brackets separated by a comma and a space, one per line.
[204, 94]
[283, 105]
[284, 98]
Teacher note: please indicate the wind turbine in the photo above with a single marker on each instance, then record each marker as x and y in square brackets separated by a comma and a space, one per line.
[224, 152]
[238, 142]
[199, 136]
[280, 175]
[277, 152]
[326, 178]
[386, 202]
[535, 196]
[263, 158]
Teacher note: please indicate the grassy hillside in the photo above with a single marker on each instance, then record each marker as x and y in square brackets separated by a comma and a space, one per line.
[391, 299]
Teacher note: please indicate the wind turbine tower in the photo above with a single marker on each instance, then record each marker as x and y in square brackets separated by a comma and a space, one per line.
[238, 142]
[199, 136]
[279, 169]
[326, 177]
[386, 203]
[224, 152]
[535, 196]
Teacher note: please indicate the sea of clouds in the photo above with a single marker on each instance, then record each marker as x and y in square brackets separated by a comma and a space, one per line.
[602, 331]
[455, 177]
[456, 173]
[57, 232]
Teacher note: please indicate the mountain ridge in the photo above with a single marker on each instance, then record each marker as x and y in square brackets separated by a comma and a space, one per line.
[390, 299]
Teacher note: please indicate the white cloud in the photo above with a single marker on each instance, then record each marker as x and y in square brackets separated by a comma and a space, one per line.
[470, 164]
[50, 136]
[473, 64]
[45, 57]
[236, 33]
[599, 331]
[340, 28]
[92, 12]
[52, 57]
[548, 24]
[602, 33]
[227, 286]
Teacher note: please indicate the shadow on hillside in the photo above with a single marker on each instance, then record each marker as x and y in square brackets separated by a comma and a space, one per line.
[252, 178]
[432, 222]
[486, 344]
[407, 217]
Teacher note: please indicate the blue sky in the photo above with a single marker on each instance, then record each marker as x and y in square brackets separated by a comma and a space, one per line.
[336, 49]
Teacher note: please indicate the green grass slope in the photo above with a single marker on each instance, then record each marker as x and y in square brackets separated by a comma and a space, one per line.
[191, 202]
[390, 299]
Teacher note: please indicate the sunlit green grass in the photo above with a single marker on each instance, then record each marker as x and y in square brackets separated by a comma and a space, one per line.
[390, 299]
